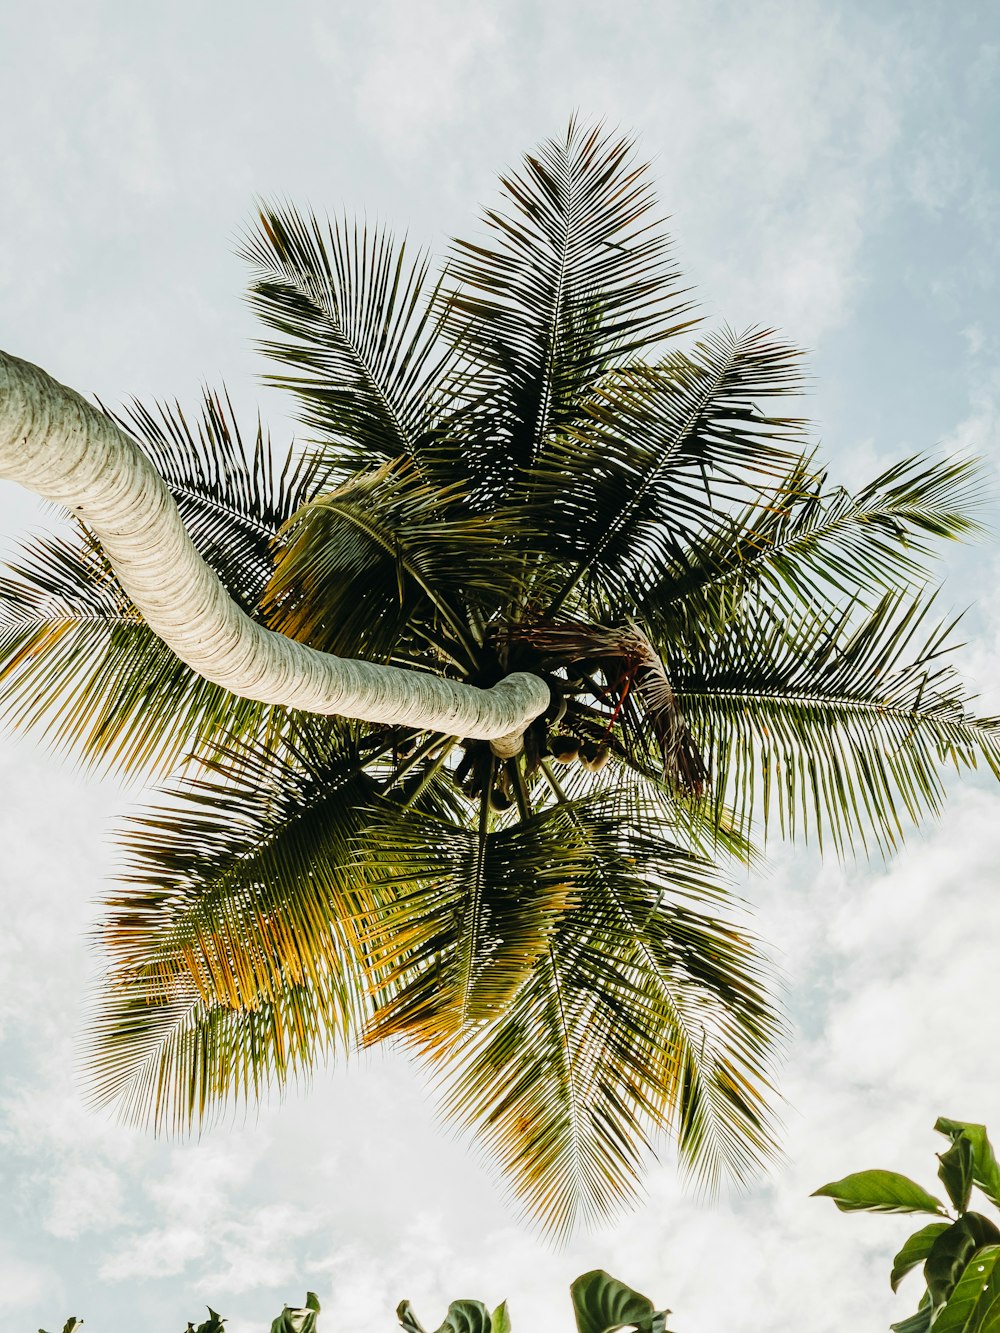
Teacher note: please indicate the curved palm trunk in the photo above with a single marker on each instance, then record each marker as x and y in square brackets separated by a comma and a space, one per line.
[57, 445]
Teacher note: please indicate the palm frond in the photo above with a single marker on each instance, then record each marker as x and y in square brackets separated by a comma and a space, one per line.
[233, 497]
[81, 671]
[814, 543]
[238, 888]
[470, 910]
[387, 565]
[633, 787]
[235, 951]
[842, 723]
[170, 1059]
[665, 452]
[644, 1013]
[575, 277]
[701, 825]
[357, 324]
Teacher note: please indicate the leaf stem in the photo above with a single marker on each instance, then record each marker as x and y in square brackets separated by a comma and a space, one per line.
[553, 782]
[521, 793]
[411, 761]
[432, 772]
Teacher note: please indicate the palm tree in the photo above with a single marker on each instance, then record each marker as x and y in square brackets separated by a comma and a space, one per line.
[469, 707]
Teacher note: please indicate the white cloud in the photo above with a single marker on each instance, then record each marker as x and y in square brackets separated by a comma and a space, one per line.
[262, 1249]
[23, 1283]
[158, 1252]
[190, 1199]
[415, 70]
[87, 1196]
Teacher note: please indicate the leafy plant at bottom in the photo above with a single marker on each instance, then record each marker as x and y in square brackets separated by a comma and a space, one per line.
[601, 1304]
[961, 1253]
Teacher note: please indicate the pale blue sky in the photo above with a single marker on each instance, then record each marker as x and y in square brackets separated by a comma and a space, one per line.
[831, 169]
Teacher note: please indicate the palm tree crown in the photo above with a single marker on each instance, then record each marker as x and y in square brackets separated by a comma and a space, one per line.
[530, 463]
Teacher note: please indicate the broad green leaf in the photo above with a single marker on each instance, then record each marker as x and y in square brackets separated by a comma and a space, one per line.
[601, 1304]
[462, 1317]
[466, 1317]
[500, 1319]
[915, 1251]
[300, 1320]
[879, 1192]
[953, 1250]
[407, 1319]
[213, 1324]
[916, 1323]
[974, 1304]
[955, 1171]
[985, 1168]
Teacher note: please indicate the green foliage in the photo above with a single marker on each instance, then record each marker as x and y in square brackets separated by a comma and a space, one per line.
[955, 1171]
[300, 1320]
[601, 1304]
[915, 1251]
[880, 1192]
[500, 1319]
[213, 1324]
[985, 1168]
[974, 1303]
[354, 321]
[462, 1317]
[515, 464]
[960, 1256]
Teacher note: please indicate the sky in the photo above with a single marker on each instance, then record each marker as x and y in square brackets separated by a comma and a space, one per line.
[830, 169]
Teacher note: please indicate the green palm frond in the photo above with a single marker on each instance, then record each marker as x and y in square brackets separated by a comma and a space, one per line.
[358, 325]
[262, 840]
[663, 455]
[634, 788]
[815, 543]
[699, 825]
[77, 664]
[79, 669]
[470, 911]
[575, 277]
[843, 723]
[242, 898]
[236, 899]
[388, 564]
[644, 1013]
[170, 1059]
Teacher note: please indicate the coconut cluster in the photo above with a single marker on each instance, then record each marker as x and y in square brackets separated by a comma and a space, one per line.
[568, 750]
